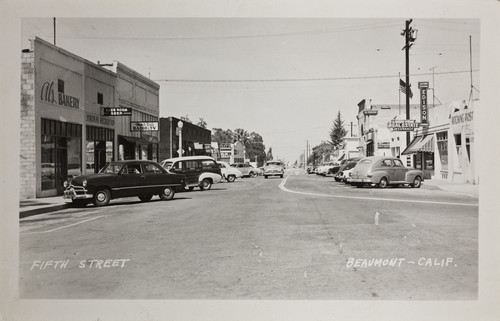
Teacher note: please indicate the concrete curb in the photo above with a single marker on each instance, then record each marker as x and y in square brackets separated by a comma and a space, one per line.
[42, 210]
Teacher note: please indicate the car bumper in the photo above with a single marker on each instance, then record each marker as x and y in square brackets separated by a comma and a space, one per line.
[361, 180]
[273, 173]
[76, 193]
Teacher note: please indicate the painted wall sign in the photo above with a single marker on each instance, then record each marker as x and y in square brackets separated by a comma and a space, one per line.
[47, 94]
[462, 118]
[402, 125]
[116, 111]
[424, 112]
[383, 145]
[140, 126]
[99, 120]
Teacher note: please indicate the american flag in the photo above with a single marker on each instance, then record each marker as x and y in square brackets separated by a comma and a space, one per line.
[402, 87]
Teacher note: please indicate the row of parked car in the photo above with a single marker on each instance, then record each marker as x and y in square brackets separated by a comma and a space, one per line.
[380, 171]
[145, 179]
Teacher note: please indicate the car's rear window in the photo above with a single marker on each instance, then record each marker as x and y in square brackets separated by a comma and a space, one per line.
[365, 161]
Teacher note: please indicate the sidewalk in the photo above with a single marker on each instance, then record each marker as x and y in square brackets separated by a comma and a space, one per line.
[34, 206]
[457, 188]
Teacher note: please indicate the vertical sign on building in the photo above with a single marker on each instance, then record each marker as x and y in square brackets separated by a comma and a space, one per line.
[424, 112]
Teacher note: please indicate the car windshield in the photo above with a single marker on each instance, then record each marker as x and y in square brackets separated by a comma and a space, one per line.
[350, 165]
[111, 168]
[167, 165]
[273, 164]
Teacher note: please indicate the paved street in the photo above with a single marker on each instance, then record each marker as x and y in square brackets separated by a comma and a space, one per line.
[301, 237]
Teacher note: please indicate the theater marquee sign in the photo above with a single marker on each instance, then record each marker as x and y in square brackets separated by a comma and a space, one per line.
[47, 94]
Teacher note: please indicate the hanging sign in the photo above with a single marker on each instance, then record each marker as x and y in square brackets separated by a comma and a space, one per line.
[141, 126]
[402, 125]
[424, 112]
[116, 111]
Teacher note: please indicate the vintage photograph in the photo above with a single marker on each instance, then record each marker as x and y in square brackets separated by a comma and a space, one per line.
[249, 159]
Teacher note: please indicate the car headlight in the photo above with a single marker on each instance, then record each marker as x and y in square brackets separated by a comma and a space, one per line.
[84, 183]
[66, 184]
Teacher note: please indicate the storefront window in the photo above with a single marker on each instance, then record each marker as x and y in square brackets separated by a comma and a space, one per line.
[429, 160]
[48, 163]
[60, 153]
[90, 165]
[442, 144]
[418, 161]
[109, 151]
[74, 157]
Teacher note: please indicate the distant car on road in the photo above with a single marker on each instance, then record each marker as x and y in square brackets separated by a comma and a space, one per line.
[274, 168]
[246, 169]
[229, 173]
[123, 179]
[382, 171]
[201, 171]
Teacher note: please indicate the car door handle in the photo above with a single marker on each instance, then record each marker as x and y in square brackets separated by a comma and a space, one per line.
[143, 176]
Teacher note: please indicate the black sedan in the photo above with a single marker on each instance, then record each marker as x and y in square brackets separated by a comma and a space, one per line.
[123, 179]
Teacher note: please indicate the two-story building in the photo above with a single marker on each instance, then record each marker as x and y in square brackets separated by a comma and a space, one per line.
[63, 130]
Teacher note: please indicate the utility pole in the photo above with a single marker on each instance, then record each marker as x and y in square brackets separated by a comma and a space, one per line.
[410, 37]
[54, 31]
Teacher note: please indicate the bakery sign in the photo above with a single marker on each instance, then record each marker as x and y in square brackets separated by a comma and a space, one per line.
[47, 94]
[402, 125]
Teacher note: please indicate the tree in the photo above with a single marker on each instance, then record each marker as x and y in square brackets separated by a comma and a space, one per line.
[255, 148]
[269, 155]
[337, 132]
[321, 152]
[186, 119]
[202, 123]
[222, 136]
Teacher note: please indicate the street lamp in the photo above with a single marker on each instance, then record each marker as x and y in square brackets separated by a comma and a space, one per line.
[179, 125]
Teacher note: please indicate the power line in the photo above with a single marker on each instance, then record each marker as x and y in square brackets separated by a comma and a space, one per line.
[298, 33]
[306, 79]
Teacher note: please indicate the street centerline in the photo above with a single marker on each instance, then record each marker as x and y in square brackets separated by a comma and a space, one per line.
[282, 187]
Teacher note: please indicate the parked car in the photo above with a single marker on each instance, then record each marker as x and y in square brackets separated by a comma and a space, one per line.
[345, 169]
[201, 171]
[123, 179]
[274, 168]
[229, 173]
[382, 171]
[246, 169]
[328, 168]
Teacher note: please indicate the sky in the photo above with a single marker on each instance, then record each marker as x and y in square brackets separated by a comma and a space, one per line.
[283, 78]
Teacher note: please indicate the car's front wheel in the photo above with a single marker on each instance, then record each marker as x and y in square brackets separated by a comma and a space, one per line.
[167, 193]
[206, 184]
[145, 198]
[383, 182]
[252, 174]
[417, 182]
[101, 197]
[231, 178]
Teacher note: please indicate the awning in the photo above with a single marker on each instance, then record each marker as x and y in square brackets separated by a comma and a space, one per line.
[427, 144]
[420, 144]
[408, 150]
[134, 140]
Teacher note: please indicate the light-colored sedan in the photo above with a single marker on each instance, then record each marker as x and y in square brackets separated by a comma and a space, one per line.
[382, 171]
[229, 173]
